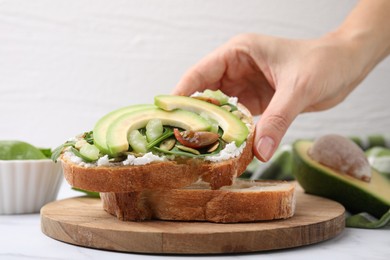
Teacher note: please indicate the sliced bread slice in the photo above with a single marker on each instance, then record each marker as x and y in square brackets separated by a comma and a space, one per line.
[244, 201]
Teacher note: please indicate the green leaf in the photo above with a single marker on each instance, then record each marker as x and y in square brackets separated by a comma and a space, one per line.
[88, 136]
[379, 159]
[168, 132]
[57, 152]
[18, 150]
[365, 220]
[46, 151]
[91, 194]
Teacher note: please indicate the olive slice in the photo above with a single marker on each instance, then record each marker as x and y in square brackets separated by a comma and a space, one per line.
[213, 147]
[188, 149]
[168, 144]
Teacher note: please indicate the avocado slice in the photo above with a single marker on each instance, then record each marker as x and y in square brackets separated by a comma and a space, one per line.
[234, 129]
[101, 127]
[118, 131]
[356, 195]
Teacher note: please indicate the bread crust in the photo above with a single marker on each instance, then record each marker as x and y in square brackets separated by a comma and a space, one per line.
[158, 175]
[200, 203]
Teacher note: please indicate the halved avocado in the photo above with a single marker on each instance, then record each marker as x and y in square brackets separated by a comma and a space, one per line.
[101, 127]
[118, 131]
[356, 195]
[234, 129]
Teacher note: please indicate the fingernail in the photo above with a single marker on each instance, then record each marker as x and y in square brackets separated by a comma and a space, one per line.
[265, 147]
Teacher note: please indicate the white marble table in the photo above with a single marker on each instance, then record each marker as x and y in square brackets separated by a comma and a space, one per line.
[21, 238]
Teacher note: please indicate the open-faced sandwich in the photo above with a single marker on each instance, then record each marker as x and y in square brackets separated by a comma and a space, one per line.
[179, 148]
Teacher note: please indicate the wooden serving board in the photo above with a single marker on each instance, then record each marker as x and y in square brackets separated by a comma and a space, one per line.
[82, 221]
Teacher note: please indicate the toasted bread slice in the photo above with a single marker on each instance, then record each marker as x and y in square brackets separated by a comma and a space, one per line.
[244, 201]
[157, 175]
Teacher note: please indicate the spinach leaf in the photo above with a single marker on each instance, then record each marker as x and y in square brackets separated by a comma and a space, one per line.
[88, 136]
[168, 132]
[19, 150]
[57, 152]
[46, 151]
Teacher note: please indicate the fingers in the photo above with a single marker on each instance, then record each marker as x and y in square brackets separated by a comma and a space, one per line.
[206, 74]
[274, 122]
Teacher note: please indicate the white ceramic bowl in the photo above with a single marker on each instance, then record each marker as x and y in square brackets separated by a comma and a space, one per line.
[27, 185]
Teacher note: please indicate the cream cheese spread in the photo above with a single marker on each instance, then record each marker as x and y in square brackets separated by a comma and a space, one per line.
[230, 151]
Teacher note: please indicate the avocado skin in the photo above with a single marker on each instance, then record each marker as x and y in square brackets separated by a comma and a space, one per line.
[318, 182]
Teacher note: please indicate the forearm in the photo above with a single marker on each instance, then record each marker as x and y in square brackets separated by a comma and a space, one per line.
[367, 28]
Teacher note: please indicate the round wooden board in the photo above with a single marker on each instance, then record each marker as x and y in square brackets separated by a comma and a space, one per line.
[82, 221]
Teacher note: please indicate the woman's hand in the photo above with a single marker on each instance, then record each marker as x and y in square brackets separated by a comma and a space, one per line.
[279, 78]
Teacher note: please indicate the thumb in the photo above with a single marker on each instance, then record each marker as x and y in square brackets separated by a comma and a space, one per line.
[274, 122]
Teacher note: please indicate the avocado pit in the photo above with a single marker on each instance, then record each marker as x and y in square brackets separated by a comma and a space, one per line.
[342, 155]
